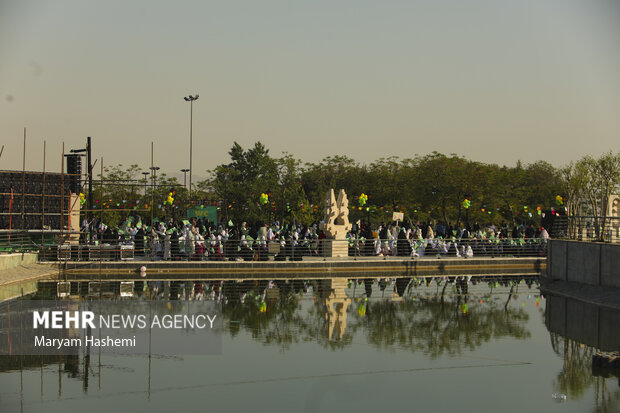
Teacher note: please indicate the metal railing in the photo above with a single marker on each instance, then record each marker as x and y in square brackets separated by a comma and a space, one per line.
[293, 250]
[588, 228]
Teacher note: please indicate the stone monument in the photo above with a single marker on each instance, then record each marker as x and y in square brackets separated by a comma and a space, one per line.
[336, 225]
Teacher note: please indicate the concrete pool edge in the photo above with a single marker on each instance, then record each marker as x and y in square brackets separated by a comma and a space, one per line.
[350, 267]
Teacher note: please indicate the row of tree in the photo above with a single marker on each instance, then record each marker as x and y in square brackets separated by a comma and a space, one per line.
[254, 186]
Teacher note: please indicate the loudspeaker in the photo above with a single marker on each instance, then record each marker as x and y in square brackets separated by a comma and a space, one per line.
[74, 170]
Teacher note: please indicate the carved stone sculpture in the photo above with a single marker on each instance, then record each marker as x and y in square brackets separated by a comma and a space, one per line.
[336, 223]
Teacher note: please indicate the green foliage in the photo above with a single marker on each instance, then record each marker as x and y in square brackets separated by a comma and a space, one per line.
[430, 187]
[588, 185]
[124, 191]
[121, 189]
[240, 183]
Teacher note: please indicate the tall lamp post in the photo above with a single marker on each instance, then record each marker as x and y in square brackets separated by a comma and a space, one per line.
[191, 100]
[154, 170]
[185, 177]
[145, 181]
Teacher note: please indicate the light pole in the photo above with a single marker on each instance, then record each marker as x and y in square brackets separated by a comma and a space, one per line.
[191, 100]
[145, 181]
[154, 170]
[185, 177]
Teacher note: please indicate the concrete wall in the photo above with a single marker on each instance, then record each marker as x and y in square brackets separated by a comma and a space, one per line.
[556, 260]
[8, 261]
[589, 263]
[610, 265]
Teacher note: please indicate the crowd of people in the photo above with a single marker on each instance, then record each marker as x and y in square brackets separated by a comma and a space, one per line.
[200, 239]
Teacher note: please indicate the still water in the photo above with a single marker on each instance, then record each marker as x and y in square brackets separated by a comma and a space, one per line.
[339, 345]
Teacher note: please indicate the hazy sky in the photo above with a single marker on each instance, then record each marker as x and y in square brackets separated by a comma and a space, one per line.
[492, 80]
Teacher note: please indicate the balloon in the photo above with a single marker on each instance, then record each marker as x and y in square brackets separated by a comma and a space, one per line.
[362, 199]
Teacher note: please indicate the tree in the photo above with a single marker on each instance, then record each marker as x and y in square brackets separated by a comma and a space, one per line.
[240, 183]
[289, 201]
[120, 192]
[601, 177]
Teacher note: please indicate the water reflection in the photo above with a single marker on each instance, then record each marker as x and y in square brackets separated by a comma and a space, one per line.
[437, 317]
[577, 376]
[416, 314]
[578, 330]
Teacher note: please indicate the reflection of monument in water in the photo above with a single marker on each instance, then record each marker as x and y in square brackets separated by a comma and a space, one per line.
[336, 303]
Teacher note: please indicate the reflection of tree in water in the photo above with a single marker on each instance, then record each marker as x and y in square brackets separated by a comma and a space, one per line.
[282, 320]
[606, 401]
[436, 325]
[269, 317]
[576, 375]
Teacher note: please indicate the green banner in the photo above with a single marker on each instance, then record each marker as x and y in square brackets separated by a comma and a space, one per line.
[208, 212]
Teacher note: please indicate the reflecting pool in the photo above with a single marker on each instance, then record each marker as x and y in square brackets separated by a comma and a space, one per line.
[327, 345]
